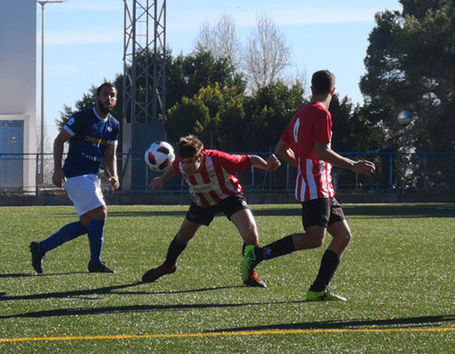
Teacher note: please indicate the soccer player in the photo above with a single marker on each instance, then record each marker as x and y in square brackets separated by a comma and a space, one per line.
[213, 189]
[92, 135]
[305, 144]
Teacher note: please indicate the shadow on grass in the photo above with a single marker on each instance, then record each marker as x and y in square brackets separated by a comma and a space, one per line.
[403, 322]
[107, 290]
[130, 308]
[380, 211]
[25, 275]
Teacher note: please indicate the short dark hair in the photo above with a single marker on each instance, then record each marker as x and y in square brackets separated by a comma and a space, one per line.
[189, 146]
[322, 82]
[105, 84]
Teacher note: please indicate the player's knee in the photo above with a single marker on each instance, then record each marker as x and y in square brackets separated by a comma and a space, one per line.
[344, 238]
[347, 238]
[315, 238]
[101, 213]
[318, 242]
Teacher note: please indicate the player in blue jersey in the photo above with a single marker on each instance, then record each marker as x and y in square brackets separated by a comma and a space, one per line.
[93, 136]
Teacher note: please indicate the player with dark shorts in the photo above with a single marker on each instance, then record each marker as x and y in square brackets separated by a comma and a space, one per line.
[306, 145]
[322, 212]
[229, 206]
[213, 189]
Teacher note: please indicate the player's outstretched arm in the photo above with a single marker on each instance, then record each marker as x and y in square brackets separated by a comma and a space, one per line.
[325, 153]
[271, 164]
[158, 182]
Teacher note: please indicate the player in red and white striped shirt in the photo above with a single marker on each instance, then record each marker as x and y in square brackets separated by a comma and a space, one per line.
[213, 189]
[305, 144]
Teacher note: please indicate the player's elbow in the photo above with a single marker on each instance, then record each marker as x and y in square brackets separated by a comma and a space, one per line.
[320, 154]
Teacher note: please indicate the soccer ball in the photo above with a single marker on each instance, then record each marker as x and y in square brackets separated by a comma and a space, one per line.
[404, 118]
[159, 156]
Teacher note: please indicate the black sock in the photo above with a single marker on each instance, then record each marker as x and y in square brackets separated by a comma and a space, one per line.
[329, 264]
[173, 252]
[279, 248]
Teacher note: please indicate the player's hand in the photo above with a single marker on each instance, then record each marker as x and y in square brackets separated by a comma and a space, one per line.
[364, 166]
[58, 177]
[273, 163]
[156, 183]
[114, 182]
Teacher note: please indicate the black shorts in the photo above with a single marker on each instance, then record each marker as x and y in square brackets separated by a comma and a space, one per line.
[321, 212]
[229, 206]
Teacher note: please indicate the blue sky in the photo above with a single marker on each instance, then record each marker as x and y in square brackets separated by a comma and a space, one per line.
[84, 40]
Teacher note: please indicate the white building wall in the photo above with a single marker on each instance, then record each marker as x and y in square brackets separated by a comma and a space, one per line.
[18, 73]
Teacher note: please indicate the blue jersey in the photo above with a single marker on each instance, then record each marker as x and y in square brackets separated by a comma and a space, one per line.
[91, 135]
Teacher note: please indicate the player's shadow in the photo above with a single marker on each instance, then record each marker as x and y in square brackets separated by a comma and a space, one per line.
[93, 294]
[25, 275]
[349, 324]
[83, 294]
[135, 308]
[379, 211]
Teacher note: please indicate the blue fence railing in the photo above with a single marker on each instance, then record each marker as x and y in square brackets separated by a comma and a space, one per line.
[395, 172]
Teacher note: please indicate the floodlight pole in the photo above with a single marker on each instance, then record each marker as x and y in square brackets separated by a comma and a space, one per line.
[42, 3]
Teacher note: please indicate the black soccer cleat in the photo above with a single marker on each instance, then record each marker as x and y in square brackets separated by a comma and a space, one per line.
[99, 268]
[37, 256]
[153, 274]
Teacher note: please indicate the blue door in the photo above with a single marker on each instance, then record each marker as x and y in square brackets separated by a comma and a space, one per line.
[11, 159]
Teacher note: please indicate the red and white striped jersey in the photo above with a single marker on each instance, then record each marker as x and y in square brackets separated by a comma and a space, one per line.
[214, 181]
[311, 124]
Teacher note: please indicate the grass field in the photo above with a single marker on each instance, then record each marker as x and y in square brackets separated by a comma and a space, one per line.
[398, 276]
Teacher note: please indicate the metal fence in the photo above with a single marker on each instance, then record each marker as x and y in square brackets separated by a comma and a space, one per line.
[395, 173]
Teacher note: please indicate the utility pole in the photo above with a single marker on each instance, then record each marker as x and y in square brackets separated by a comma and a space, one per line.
[42, 3]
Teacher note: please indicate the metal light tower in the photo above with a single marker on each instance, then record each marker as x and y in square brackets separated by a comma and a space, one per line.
[144, 82]
[42, 3]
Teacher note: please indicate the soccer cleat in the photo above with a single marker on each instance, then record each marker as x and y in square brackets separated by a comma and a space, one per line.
[254, 281]
[37, 256]
[99, 268]
[248, 263]
[324, 295]
[153, 274]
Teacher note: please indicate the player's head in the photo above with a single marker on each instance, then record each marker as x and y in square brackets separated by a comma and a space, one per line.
[189, 150]
[106, 98]
[323, 83]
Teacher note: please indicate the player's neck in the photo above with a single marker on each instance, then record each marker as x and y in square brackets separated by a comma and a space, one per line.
[100, 114]
[322, 99]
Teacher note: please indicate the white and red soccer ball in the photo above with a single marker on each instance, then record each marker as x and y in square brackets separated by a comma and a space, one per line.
[159, 156]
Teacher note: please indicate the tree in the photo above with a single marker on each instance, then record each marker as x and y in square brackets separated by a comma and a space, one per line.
[269, 111]
[214, 114]
[267, 54]
[221, 40]
[410, 66]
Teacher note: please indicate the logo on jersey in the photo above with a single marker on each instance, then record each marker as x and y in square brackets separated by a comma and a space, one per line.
[96, 141]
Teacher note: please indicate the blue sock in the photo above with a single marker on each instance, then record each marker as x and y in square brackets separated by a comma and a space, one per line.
[66, 233]
[96, 238]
